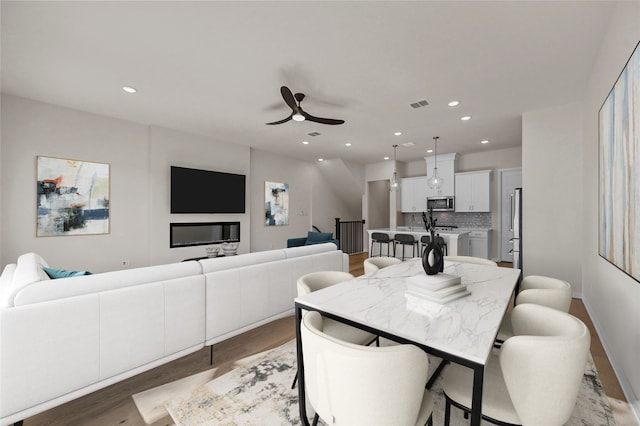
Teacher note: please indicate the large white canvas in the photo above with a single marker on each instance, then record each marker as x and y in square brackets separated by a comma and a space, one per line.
[72, 197]
[619, 166]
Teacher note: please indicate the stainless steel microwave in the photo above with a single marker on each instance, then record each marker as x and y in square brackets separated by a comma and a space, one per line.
[441, 204]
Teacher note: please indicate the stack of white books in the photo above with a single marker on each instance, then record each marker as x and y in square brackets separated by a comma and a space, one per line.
[440, 288]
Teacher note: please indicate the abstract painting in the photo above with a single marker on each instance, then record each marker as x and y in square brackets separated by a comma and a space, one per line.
[619, 171]
[73, 197]
[276, 203]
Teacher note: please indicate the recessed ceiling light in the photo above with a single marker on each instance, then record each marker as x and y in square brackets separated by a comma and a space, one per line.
[397, 133]
[386, 158]
[484, 141]
[129, 89]
[429, 151]
[465, 118]
[453, 103]
[409, 144]
[320, 159]
[305, 142]
[347, 144]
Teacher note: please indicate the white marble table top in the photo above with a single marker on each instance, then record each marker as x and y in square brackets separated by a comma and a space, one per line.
[465, 328]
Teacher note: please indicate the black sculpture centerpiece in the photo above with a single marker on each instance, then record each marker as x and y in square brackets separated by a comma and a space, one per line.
[432, 258]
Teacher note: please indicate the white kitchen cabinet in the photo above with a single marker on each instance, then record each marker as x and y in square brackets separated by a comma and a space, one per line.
[473, 191]
[479, 242]
[446, 170]
[413, 194]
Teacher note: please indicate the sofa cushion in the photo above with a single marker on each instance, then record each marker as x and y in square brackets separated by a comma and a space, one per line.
[6, 279]
[29, 270]
[68, 287]
[307, 250]
[61, 273]
[318, 237]
[228, 262]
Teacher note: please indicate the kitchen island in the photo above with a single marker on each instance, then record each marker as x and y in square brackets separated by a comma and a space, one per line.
[457, 240]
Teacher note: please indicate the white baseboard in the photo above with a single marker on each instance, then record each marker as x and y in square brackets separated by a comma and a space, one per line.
[629, 394]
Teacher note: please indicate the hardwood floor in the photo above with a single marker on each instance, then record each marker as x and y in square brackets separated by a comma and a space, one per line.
[114, 405]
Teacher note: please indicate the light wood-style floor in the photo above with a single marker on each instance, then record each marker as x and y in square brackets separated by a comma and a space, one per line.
[114, 405]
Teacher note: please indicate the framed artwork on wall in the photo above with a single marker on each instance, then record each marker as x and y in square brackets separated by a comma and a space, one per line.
[72, 197]
[276, 203]
[619, 171]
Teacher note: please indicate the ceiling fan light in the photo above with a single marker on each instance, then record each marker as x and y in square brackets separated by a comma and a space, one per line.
[297, 117]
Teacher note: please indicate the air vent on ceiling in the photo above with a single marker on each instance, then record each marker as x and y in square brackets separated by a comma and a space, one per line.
[313, 134]
[419, 104]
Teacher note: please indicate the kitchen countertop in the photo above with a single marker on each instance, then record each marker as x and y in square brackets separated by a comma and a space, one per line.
[420, 230]
[455, 238]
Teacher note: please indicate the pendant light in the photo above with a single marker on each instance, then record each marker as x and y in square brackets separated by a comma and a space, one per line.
[435, 181]
[394, 183]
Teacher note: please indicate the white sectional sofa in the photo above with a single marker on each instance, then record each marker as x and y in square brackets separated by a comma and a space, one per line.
[64, 338]
[246, 291]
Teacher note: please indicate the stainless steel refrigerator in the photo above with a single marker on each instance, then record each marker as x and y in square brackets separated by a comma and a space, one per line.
[516, 227]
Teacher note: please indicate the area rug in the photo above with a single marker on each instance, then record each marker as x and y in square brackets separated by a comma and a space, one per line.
[258, 392]
[151, 403]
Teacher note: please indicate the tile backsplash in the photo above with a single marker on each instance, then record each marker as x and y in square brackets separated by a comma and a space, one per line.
[461, 220]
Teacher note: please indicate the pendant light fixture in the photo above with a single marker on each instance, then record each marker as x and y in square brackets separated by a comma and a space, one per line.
[394, 183]
[435, 181]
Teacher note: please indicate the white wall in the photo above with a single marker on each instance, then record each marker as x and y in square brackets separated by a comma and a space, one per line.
[140, 157]
[611, 296]
[266, 166]
[552, 200]
[33, 128]
[328, 204]
[173, 148]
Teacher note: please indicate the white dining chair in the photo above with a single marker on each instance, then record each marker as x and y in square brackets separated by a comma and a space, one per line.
[540, 290]
[373, 264]
[471, 259]
[535, 378]
[315, 281]
[351, 384]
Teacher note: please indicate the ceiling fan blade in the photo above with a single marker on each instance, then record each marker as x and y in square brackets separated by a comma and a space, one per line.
[282, 121]
[320, 120]
[288, 98]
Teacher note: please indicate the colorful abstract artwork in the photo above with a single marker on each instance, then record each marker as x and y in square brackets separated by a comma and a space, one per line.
[276, 203]
[73, 197]
[619, 171]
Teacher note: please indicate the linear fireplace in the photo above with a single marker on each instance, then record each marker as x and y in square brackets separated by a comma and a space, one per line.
[203, 233]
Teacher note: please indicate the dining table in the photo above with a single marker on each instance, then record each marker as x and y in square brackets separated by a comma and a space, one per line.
[462, 331]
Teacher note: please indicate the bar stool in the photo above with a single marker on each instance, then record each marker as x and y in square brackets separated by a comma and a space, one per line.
[425, 240]
[443, 244]
[405, 240]
[380, 238]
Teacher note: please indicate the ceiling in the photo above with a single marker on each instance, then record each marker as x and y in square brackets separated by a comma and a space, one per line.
[215, 68]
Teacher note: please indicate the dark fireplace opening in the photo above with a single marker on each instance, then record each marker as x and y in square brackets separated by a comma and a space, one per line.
[203, 233]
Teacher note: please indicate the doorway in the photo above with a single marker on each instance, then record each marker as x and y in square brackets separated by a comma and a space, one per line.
[510, 179]
[378, 204]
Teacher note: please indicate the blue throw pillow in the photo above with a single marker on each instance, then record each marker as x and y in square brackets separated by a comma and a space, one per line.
[61, 273]
[317, 237]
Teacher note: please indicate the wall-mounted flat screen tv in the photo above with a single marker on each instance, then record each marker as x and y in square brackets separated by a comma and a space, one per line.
[205, 191]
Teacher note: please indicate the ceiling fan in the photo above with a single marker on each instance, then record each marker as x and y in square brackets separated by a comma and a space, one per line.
[297, 113]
